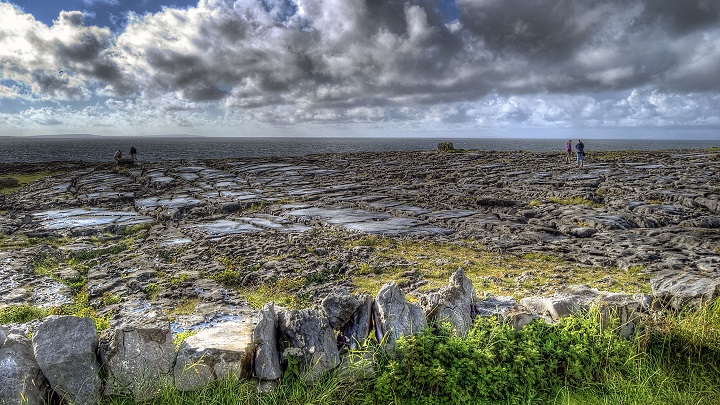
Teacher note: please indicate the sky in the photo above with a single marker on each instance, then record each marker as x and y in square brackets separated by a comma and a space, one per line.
[396, 68]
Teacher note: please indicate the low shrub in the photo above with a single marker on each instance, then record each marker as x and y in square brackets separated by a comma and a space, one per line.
[497, 363]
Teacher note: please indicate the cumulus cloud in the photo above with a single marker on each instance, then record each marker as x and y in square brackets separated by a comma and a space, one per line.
[530, 62]
[66, 61]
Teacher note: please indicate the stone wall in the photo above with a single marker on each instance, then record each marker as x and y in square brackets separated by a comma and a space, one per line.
[137, 356]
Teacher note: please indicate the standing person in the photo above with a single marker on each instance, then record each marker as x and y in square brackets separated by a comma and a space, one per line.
[133, 152]
[580, 147]
[118, 156]
[568, 151]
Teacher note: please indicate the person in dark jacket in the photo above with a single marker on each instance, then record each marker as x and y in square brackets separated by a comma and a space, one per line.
[133, 152]
[580, 149]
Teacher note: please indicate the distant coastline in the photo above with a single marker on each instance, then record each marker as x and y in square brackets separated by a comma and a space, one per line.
[97, 148]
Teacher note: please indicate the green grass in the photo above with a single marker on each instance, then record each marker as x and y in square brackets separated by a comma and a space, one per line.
[518, 275]
[79, 307]
[25, 179]
[284, 291]
[329, 390]
[674, 360]
[21, 314]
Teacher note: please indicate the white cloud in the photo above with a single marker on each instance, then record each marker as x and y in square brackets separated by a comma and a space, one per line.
[335, 62]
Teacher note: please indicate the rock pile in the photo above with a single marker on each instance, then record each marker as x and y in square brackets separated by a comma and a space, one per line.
[139, 356]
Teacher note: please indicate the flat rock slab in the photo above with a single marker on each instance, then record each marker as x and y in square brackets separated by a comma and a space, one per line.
[91, 220]
[678, 288]
[366, 221]
[214, 353]
[225, 227]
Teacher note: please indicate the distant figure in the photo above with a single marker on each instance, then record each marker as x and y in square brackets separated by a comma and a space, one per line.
[568, 151]
[580, 147]
[118, 156]
[133, 152]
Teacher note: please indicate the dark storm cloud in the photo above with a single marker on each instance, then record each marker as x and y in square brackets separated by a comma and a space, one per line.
[683, 16]
[575, 46]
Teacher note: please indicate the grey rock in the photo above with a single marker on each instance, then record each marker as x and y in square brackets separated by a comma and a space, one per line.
[357, 329]
[22, 382]
[452, 303]
[267, 358]
[213, 354]
[66, 351]
[339, 308]
[577, 298]
[678, 288]
[578, 231]
[395, 317]
[505, 309]
[266, 386]
[309, 332]
[138, 354]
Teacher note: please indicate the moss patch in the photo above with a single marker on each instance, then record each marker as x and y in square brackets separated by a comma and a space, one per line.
[491, 272]
[25, 179]
[283, 291]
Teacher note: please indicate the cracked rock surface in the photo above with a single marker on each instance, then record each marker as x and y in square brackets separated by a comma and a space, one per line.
[197, 238]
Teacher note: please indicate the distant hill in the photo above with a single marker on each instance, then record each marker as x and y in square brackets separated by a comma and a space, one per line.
[93, 136]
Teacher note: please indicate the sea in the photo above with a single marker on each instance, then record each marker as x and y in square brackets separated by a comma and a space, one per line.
[153, 149]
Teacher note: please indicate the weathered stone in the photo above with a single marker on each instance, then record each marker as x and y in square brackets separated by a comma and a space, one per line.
[678, 288]
[358, 329]
[394, 317]
[309, 332]
[266, 386]
[267, 358]
[577, 298]
[66, 351]
[339, 308]
[505, 309]
[445, 147]
[213, 354]
[138, 354]
[452, 303]
[21, 381]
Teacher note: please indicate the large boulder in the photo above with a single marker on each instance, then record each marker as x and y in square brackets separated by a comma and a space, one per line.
[66, 351]
[452, 303]
[267, 358]
[339, 308]
[307, 335]
[356, 331]
[576, 299]
[214, 353]
[678, 288]
[395, 317]
[21, 381]
[505, 309]
[138, 354]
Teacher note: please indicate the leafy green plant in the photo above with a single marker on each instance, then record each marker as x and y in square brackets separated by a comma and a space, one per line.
[230, 278]
[21, 313]
[497, 363]
[180, 337]
[152, 290]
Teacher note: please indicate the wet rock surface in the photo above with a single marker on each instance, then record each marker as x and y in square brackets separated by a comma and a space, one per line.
[198, 238]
